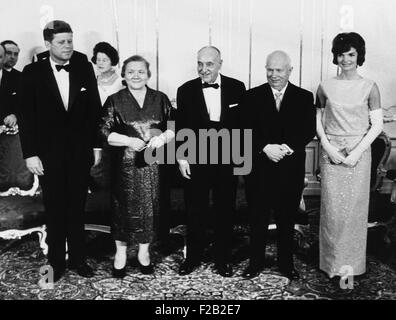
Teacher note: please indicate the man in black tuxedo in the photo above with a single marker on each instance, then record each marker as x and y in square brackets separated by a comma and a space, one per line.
[282, 117]
[59, 110]
[8, 89]
[209, 102]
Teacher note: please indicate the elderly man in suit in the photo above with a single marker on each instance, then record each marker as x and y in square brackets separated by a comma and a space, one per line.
[209, 102]
[59, 110]
[282, 117]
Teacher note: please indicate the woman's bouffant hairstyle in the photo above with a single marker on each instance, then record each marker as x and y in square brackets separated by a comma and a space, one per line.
[108, 50]
[343, 42]
[135, 58]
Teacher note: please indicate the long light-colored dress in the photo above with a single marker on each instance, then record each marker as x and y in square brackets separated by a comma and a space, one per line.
[345, 190]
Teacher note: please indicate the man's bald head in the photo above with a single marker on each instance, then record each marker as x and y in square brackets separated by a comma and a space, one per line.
[278, 69]
[209, 63]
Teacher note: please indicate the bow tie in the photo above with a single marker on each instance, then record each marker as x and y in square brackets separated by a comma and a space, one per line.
[64, 67]
[210, 85]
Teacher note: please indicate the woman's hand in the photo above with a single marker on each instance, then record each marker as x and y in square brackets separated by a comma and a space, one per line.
[353, 158]
[156, 142]
[136, 144]
[334, 154]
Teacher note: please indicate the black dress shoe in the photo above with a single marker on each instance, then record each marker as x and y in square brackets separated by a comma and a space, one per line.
[146, 269]
[187, 267]
[251, 271]
[119, 273]
[291, 274]
[82, 269]
[224, 269]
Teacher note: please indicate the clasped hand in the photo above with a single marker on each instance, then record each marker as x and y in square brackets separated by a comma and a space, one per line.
[337, 157]
[276, 152]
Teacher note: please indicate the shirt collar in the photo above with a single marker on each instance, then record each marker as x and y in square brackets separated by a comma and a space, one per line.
[282, 91]
[53, 64]
[218, 80]
[8, 69]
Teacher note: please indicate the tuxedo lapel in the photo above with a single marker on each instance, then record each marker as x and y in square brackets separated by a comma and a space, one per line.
[270, 99]
[74, 87]
[224, 95]
[286, 99]
[50, 82]
[203, 110]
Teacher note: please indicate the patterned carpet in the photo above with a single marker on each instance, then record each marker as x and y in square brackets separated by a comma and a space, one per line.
[19, 274]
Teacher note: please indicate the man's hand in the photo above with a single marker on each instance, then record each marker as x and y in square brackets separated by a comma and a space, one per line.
[10, 120]
[184, 168]
[34, 165]
[275, 152]
[97, 153]
[136, 144]
[156, 142]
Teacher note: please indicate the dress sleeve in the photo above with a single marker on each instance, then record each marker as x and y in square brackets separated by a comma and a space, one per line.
[108, 118]
[168, 114]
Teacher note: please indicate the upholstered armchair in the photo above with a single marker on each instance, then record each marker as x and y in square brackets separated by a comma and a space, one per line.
[21, 209]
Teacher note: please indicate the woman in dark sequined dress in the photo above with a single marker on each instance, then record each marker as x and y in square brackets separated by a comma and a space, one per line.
[130, 123]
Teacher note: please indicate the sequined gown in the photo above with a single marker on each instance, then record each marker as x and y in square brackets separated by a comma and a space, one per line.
[345, 190]
[134, 184]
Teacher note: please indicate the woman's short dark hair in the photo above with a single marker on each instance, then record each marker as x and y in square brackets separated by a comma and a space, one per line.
[108, 50]
[343, 42]
[135, 58]
[54, 27]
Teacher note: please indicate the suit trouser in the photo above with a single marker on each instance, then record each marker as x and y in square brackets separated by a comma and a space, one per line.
[284, 204]
[64, 194]
[219, 178]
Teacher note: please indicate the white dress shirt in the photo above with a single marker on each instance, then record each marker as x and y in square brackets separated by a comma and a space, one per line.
[1, 75]
[62, 79]
[213, 100]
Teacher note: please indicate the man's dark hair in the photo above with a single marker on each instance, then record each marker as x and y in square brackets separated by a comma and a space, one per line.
[345, 41]
[5, 42]
[54, 27]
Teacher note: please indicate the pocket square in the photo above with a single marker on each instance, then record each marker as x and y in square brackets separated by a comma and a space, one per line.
[83, 89]
[14, 93]
[233, 105]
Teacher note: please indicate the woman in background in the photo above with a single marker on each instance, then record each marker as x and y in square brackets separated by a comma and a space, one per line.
[105, 57]
[349, 118]
[129, 122]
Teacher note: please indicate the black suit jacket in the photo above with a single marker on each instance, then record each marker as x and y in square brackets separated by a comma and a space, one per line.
[192, 112]
[49, 131]
[8, 93]
[294, 125]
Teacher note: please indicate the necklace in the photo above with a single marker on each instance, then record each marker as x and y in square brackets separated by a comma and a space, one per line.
[108, 80]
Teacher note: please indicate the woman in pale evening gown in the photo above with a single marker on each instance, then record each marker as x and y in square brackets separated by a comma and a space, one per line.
[131, 121]
[349, 118]
[105, 58]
